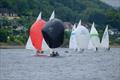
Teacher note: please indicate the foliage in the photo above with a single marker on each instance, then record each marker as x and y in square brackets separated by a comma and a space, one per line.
[3, 35]
[67, 10]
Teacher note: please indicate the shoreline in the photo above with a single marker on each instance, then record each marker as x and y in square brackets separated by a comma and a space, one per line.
[12, 47]
[23, 47]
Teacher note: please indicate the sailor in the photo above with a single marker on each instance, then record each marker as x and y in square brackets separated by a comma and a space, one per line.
[54, 54]
[57, 54]
[76, 49]
[38, 52]
[82, 50]
[108, 49]
[96, 49]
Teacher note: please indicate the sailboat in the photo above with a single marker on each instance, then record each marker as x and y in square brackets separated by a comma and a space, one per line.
[82, 36]
[94, 38]
[53, 33]
[73, 42]
[36, 41]
[105, 39]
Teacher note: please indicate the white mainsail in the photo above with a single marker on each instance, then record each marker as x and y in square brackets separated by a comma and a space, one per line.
[94, 36]
[79, 24]
[52, 15]
[105, 39]
[45, 45]
[73, 42]
[39, 16]
[29, 44]
[82, 36]
[91, 46]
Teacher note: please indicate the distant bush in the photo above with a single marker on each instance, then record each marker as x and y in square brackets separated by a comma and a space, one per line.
[3, 35]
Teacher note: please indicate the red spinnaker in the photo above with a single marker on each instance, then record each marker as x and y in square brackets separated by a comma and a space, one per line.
[36, 33]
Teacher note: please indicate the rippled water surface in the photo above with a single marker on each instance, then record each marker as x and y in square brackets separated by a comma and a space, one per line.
[21, 64]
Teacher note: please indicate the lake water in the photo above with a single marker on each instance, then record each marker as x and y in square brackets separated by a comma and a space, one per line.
[21, 64]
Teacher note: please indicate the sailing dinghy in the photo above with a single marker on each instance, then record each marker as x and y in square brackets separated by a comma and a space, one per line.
[36, 41]
[53, 33]
[73, 42]
[82, 36]
[94, 37]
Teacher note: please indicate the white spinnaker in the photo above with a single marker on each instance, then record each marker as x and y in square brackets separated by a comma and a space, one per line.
[73, 42]
[94, 37]
[29, 44]
[82, 37]
[105, 39]
[52, 15]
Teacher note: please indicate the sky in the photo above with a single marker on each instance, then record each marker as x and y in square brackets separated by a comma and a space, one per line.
[114, 3]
